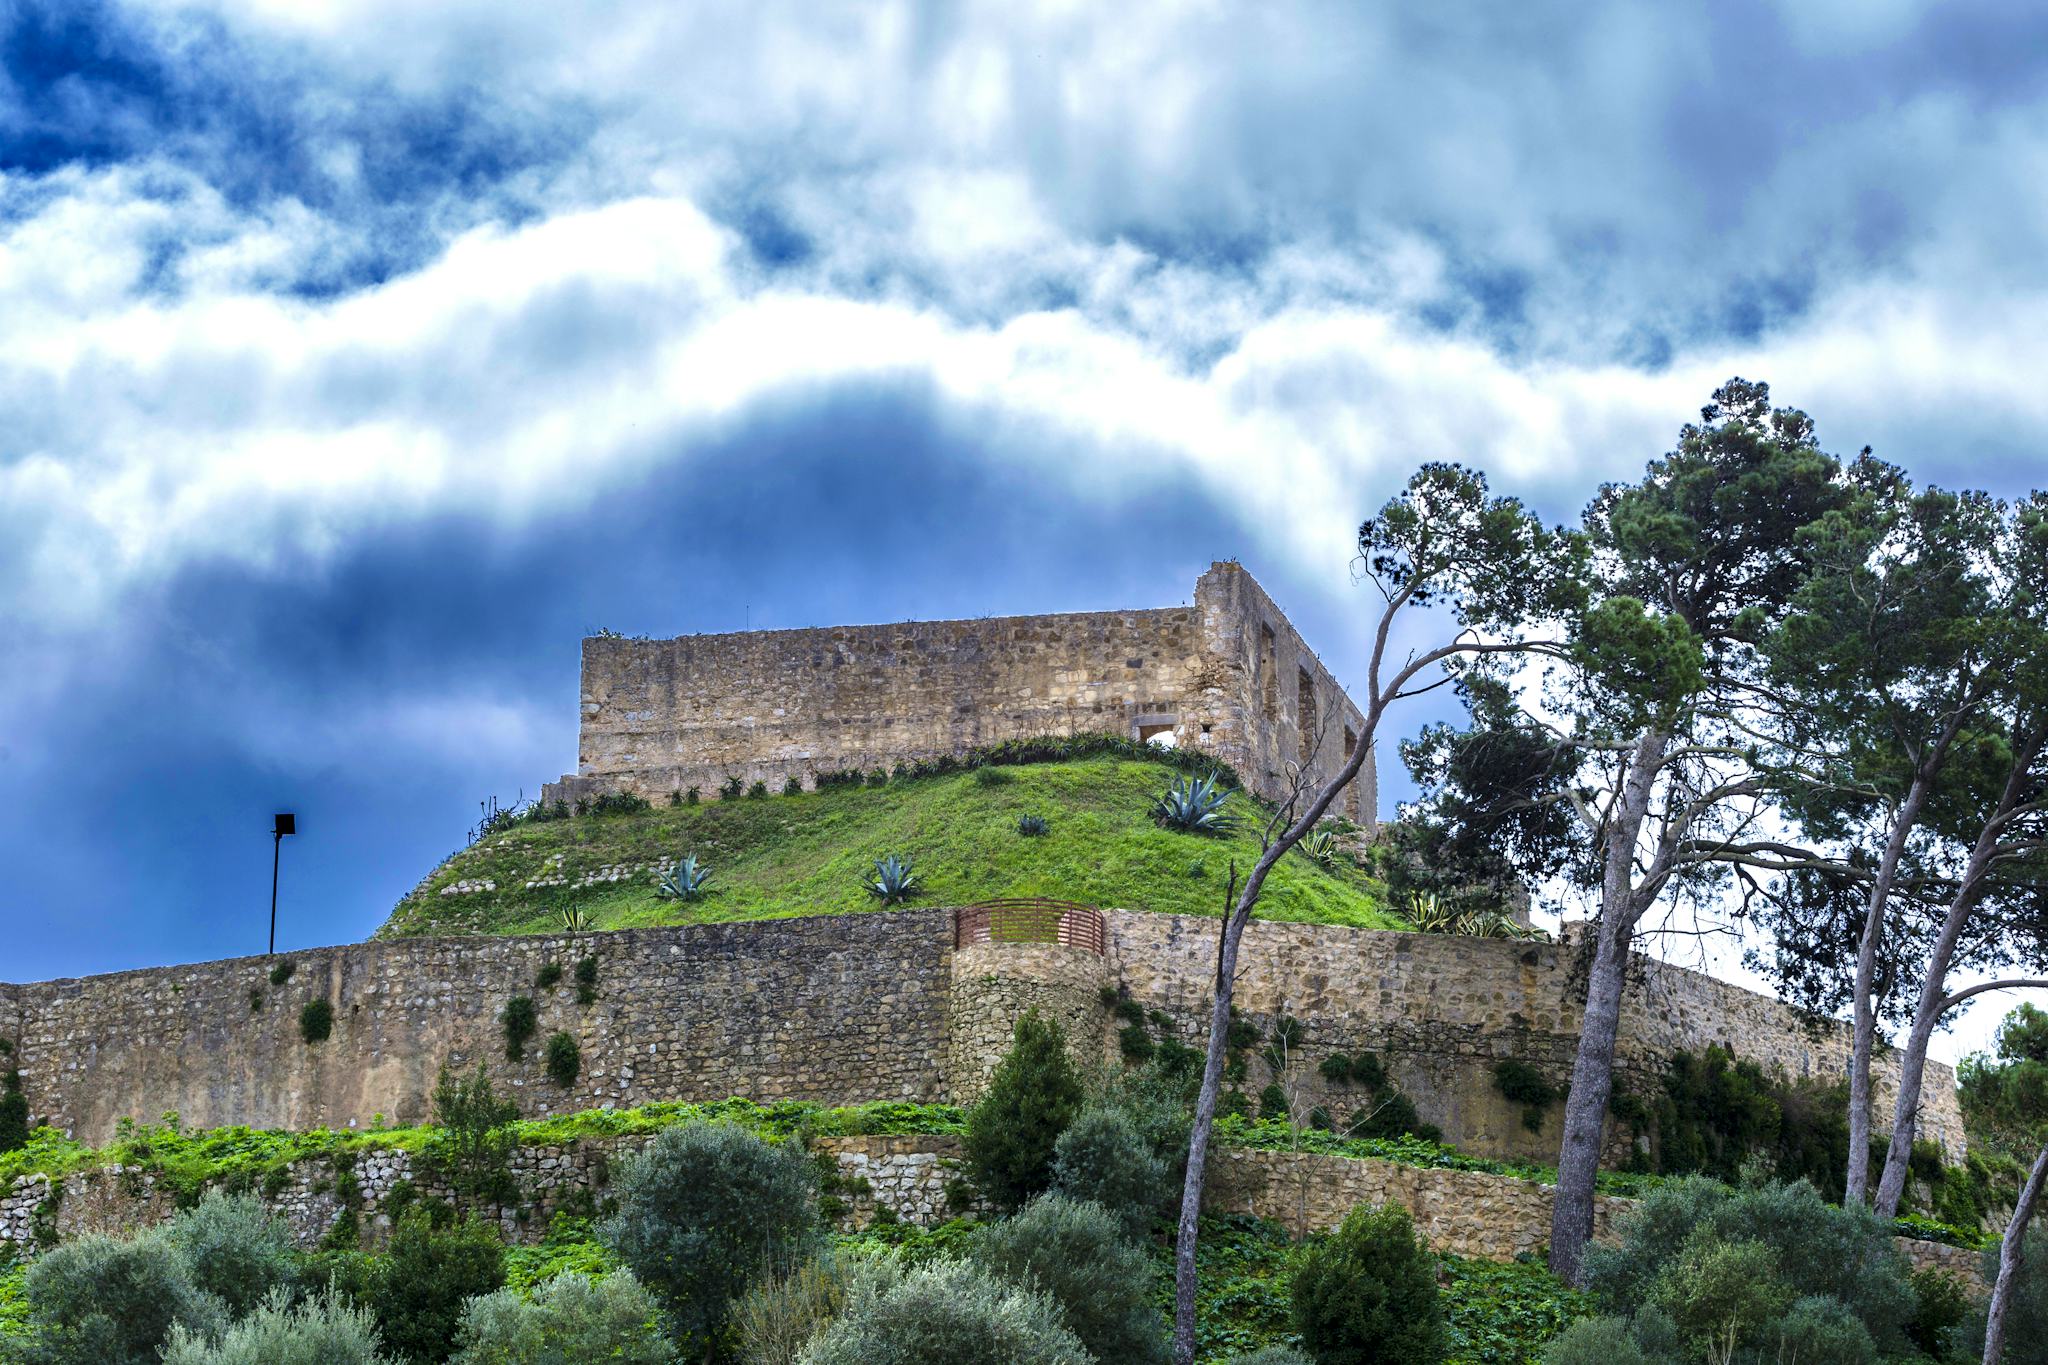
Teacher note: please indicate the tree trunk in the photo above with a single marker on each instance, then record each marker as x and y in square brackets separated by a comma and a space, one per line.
[2011, 1251]
[1585, 1105]
[1198, 1139]
[1865, 1036]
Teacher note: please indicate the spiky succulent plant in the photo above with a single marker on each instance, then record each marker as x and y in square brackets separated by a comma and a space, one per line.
[573, 919]
[684, 881]
[1320, 848]
[893, 882]
[1030, 826]
[1193, 805]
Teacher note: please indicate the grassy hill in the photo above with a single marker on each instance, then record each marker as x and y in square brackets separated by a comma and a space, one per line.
[806, 854]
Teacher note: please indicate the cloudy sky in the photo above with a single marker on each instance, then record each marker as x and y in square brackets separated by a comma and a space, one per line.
[359, 356]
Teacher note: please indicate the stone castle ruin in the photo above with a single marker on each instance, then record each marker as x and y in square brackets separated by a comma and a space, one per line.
[1228, 676]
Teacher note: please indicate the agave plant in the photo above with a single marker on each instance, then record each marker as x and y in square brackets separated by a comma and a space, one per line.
[1030, 826]
[573, 918]
[1193, 805]
[1430, 915]
[1320, 848]
[894, 882]
[684, 881]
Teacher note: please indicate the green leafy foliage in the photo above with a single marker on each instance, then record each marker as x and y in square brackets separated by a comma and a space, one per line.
[327, 1330]
[103, 1301]
[1076, 1253]
[235, 1249]
[705, 1211]
[1367, 1295]
[519, 1020]
[571, 1318]
[316, 1020]
[14, 1127]
[1193, 805]
[418, 1287]
[1103, 1158]
[474, 1146]
[564, 1058]
[1032, 1097]
[775, 1319]
[949, 1311]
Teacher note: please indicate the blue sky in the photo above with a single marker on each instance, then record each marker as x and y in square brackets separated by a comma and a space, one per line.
[357, 356]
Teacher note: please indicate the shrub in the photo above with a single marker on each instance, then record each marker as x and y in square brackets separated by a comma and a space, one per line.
[1273, 1104]
[1941, 1305]
[1193, 805]
[993, 777]
[316, 1020]
[565, 1059]
[1719, 1293]
[730, 789]
[951, 1312]
[570, 1318]
[706, 1210]
[620, 803]
[1595, 1341]
[1075, 1253]
[1368, 1294]
[1031, 1099]
[586, 981]
[426, 1274]
[793, 786]
[1103, 1158]
[1272, 1355]
[692, 796]
[1816, 1248]
[324, 1331]
[475, 1144]
[1030, 826]
[549, 976]
[13, 1112]
[878, 778]
[758, 792]
[1820, 1331]
[282, 972]
[519, 1020]
[894, 882]
[1135, 1043]
[234, 1248]
[99, 1301]
[774, 1319]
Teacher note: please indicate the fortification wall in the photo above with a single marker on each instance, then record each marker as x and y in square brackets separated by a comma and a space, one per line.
[846, 1008]
[1229, 676]
[836, 1009]
[1441, 1011]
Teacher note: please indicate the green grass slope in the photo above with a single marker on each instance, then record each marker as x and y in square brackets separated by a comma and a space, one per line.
[806, 855]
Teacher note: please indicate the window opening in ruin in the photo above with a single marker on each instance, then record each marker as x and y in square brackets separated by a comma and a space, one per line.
[1161, 735]
[1305, 713]
[1269, 682]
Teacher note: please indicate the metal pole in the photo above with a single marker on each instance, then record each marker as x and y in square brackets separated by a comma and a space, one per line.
[276, 843]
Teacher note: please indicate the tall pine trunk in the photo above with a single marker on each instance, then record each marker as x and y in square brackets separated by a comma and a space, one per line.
[2011, 1252]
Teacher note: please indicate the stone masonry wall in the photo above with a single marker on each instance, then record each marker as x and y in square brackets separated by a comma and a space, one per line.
[1441, 1010]
[832, 1009]
[840, 1009]
[1228, 676]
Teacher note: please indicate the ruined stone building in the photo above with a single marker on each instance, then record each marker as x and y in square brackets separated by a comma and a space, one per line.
[1227, 676]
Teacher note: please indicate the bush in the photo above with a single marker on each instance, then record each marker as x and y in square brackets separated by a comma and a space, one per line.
[1272, 1355]
[324, 1331]
[1816, 1248]
[1595, 1341]
[947, 1311]
[1075, 1253]
[1820, 1331]
[1103, 1158]
[1720, 1293]
[519, 1021]
[419, 1286]
[475, 1144]
[235, 1249]
[565, 1059]
[1367, 1294]
[586, 980]
[730, 789]
[706, 1210]
[549, 976]
[993, 777]
[99, 1301]
[571, 1318]
[758, 792]
[282, 972]
[316, 1020]
[773, 1320]
[1031, 1099]
[1942, 1305]
[13, 1112]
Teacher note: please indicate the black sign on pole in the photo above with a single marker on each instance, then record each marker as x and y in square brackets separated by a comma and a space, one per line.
[285, 823]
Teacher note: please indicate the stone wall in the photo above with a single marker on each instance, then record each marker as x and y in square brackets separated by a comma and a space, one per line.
[1229, 676]
[847, 1008]
[1440, 1011]
[1466, 1213]
[831, 1009]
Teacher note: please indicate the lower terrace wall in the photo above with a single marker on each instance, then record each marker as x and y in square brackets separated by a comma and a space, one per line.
[1466, 1213]
[847, 1008]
